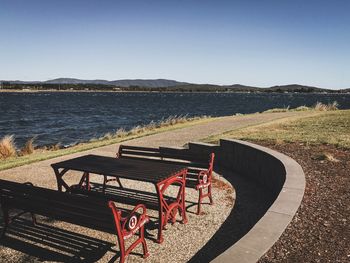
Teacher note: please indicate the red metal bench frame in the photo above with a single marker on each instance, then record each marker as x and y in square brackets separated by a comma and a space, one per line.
[205, 182]
[126, 227]
[204, 176]
[168, 209]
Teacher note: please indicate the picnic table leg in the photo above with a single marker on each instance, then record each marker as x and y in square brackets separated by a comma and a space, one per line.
[6, 218]
[59, 179]
[183, 201]
[160, 215]
[180, 198]
[85, 178]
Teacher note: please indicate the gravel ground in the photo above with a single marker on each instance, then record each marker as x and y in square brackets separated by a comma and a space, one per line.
[49, 242]
[320, 230]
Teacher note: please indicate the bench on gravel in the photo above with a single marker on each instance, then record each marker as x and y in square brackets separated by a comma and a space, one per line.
[199, 175]
[77, 209]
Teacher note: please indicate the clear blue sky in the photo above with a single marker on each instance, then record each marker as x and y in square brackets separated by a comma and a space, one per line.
[260, 43]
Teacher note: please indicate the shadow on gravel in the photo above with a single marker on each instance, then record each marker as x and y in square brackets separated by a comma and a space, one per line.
[47, 243]
[250, 205]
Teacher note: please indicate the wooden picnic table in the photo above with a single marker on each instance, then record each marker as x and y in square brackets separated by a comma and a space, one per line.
[161, 175]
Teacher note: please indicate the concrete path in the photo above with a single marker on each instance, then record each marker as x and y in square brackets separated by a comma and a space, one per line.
[41, 173]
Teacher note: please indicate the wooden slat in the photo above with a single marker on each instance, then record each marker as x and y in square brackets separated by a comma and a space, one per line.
[138, 148]
[150, 154]
[174, 157]
[124, 196]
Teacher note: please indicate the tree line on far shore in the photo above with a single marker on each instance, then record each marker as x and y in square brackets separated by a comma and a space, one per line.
[179, 88]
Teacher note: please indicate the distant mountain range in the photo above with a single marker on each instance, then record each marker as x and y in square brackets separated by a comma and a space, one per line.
[153, 85]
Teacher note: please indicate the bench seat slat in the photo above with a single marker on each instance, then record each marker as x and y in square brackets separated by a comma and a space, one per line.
[49, 210]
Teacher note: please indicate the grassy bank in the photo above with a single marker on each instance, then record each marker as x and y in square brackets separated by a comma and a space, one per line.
[321, 145]
[16, 157]
[320, 124]
[323, 127]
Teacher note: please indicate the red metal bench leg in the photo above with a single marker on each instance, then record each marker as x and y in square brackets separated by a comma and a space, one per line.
[183, 201]
[210, 196]
[200, 197]
[160, 215]
[143, 241]
[128, 226]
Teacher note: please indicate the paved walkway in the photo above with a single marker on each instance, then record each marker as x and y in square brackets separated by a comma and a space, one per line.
[41, 173]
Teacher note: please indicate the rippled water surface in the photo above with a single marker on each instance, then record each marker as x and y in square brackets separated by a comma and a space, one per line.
[79, 116]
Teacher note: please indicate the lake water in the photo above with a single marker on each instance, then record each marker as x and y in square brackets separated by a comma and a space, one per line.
[70, 117]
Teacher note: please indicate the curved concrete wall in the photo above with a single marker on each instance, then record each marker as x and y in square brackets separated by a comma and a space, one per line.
[278, 174]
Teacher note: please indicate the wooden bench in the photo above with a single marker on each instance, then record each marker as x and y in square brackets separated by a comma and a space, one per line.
[199, 174]
[77, 209]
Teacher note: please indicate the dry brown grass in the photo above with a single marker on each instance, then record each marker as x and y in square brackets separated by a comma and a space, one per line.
[326, 107]
[331, 158]
[120, 133]
[48, 152]
[7, 147]
[55, 147]
[319, 106]
[28, 147]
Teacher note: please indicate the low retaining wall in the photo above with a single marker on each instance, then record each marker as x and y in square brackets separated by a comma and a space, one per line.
[278, 175]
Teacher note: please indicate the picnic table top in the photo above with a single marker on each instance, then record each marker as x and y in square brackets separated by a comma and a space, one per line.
[141, 170]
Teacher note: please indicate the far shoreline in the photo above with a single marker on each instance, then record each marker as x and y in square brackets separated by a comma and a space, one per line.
[153, 91]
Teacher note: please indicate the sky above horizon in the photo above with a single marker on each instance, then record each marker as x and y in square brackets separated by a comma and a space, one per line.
[258, 43]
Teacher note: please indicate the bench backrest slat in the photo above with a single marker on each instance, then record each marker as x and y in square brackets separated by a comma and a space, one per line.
[162, 154]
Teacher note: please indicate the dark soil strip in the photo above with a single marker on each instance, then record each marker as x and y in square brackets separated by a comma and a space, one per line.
[320, 230]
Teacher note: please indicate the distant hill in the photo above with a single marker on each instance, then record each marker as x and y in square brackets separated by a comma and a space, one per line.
[297, 88]
[76, 81]
[120, 83]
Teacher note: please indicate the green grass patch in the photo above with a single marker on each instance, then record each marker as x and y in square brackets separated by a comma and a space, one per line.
[328, 127]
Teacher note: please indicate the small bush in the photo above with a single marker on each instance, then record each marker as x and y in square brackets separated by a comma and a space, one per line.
[28, 147]
[320, 106]
[120, 133]
[331, 158]
[326, 107]
[7, 147]
[333, 106]
[55, 147]
[136, 130]
[325, 156]
[107, 136]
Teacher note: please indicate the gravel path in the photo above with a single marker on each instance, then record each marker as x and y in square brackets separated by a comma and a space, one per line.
[101, 246]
